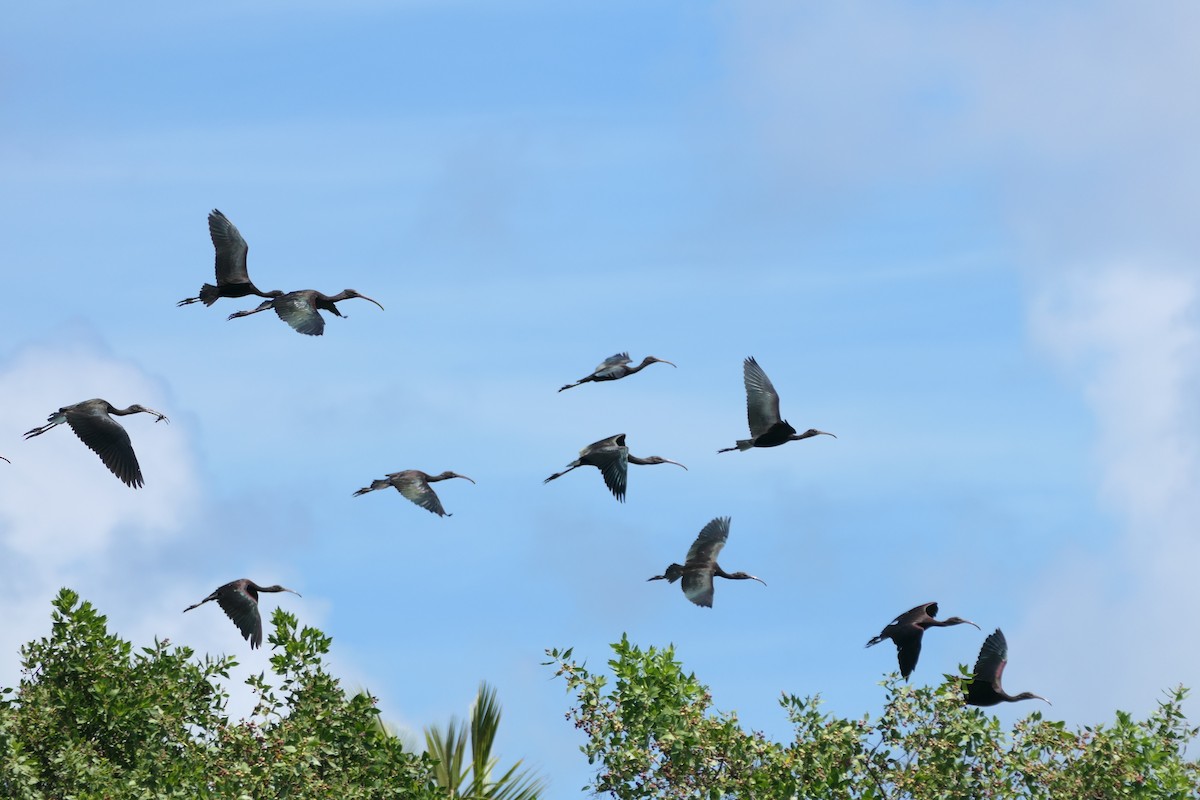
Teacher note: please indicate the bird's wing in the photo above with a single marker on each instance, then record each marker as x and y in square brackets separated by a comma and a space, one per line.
[609, 365]
[240, 607]
[107, 439]
[709, 542]
[698, 586]
[604, 444]
[614, 466]
[417, 490]
[762, 403]
[911, 616]
[299, 312]
[992, 658]
[231, 249]
[908, 650]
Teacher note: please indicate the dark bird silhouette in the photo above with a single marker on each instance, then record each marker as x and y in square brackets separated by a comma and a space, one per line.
[907, 629]
[762, 409]
[299, 309]
[985, 689]
[701, 565]
[612, 458]
[414, 484]
[615, 367]
[232, 278]
[102, 434]
[239, 600]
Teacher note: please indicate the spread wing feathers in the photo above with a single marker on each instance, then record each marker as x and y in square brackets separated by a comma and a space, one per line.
[615, 468]
[107, 439]
[698, 587]
[609, 365]
[297, 311]
[708, 544]
[420, 493]
[604, 444]
[992, 658]
[240, 607]
[231, 249]
[762, 403]
[907, 652]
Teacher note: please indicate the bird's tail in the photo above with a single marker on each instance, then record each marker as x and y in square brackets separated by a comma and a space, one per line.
[209, 294]
[379, 484]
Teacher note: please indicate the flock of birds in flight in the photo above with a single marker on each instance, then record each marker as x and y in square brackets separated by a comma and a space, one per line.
[92, 421]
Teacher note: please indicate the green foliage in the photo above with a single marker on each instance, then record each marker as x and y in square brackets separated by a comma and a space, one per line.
[472, 779]
[94, 719]
[655, 735]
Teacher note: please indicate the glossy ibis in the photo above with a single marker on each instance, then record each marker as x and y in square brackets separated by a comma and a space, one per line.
[414, 484]
[299, 309]
[907, 629]
[232, 278]
[239, 600]
[762, 409]
[985, 688]
[701, 565]
[612, 458]
[93, 424]
[615, 367]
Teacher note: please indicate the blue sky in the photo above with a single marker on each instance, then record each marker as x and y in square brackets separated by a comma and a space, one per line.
[959, 237]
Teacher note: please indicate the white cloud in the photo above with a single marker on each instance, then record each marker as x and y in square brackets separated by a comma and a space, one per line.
[1107, 620]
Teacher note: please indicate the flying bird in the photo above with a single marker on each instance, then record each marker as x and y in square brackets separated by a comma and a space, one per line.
[93, 424]
[985, 688]
[414, 484]
[615, 367]
[701, 565]
[907, 629]
[232, 278]
[612, 458]
[239, 600]
[762, 410]
[299, 309]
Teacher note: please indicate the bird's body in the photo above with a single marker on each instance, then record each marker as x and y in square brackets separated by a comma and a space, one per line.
[239, 600]
[233, 280]
[615, 367]
[300, 309]
[767, 429]
[701, 566]
[612, 458]
[93, 424]
[985, 689]
[414, 484]
[907, 631]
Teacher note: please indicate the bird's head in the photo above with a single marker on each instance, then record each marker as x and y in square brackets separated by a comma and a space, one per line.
[449, 474]
[959, 621]
[161, 417]
[349, 293]
[815, 432]
[661, 460]
[742, 576]
[655, 360]
[278, 588]
[1031, 696]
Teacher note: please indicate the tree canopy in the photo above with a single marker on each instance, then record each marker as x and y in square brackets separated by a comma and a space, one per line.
[91, 718]
[654, 734]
